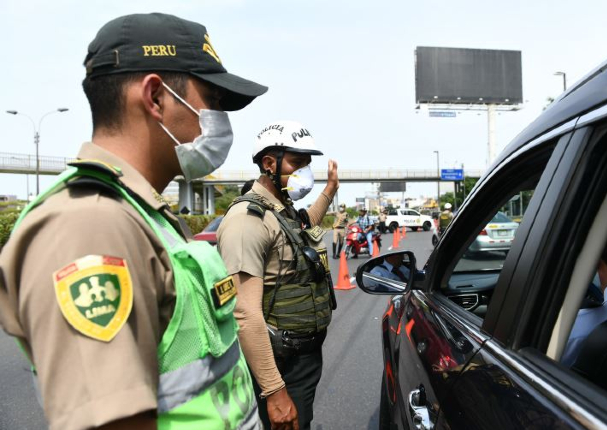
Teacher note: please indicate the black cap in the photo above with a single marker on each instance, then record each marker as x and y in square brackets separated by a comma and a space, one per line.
[159, 42]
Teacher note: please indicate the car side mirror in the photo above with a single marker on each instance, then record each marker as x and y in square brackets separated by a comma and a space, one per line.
[390, 274]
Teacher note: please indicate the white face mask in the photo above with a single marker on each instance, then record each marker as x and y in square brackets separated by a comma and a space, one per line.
[300, 183]
[209, 150]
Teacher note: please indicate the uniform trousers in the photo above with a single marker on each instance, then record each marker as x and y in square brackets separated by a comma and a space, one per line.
[301, 373]
[338, 235]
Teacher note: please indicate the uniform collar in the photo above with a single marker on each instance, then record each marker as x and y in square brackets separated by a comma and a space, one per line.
[268, 196]
[131, 178]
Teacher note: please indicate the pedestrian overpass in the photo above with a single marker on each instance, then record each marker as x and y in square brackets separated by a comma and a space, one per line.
[204, 188]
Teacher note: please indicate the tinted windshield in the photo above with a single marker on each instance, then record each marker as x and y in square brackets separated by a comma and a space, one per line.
[214, 225]
[501, 217]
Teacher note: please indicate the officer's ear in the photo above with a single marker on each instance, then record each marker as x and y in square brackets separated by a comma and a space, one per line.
[153, 96]
[268, 163]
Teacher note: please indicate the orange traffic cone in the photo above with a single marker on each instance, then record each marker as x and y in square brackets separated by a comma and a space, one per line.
[395, 238]
[343, 279]
[375, 250]
[404, 232]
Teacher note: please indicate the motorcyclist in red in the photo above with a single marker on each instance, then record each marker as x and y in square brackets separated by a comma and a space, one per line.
[367, 226]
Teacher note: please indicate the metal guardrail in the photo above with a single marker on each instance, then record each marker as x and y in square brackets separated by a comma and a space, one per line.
[26, 164]
[374, 175]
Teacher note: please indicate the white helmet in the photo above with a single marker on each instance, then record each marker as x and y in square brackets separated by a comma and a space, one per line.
[447, 205]
[288, 135]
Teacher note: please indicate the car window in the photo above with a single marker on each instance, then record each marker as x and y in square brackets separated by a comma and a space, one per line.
[478, 244]
[488, 250]
[213, 225]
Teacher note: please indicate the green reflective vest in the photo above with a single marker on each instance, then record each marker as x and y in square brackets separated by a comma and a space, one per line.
[204, 382]
[445, 219]
[298, 302]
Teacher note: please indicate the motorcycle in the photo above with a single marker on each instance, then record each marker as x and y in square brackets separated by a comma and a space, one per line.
[355, 247]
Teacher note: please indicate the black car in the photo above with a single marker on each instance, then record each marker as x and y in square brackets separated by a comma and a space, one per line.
[477, 340]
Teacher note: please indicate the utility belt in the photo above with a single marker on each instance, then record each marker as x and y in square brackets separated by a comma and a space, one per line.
[287, 344]
[339, 228]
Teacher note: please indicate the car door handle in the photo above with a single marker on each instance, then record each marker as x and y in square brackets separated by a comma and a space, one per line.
[419, 412]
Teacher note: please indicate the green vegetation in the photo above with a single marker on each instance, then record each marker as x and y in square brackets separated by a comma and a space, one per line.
[230, 192]
[450, 197]
[197, 223]
[327, 222]
[7, 221]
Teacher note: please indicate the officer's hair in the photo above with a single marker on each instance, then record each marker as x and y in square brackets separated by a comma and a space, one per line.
[604, 254]
[105, 94]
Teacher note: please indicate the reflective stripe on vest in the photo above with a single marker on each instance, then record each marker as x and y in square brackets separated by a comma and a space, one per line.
[183, 384]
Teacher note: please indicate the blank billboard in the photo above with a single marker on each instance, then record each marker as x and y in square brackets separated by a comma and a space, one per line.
[477, 76]
[391, 187]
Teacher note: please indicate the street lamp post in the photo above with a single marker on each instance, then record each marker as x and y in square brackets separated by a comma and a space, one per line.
[37, 138]
[438, 180]
[564, 75]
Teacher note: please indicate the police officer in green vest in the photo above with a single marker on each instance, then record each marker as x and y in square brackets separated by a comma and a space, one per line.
[279, 262]
[445, 218]
[127, 323]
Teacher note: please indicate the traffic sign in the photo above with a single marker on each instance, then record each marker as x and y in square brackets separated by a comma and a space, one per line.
[442, 114]
[452, 174]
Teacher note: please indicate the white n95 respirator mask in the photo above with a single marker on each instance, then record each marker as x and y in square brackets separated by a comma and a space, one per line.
[300, 183]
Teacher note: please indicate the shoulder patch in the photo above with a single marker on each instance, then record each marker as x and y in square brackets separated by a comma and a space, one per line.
[95, 295]
[256, 209]
[97, 165]
[315, 233]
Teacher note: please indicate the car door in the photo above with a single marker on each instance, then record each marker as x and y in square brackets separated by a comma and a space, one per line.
[409, 218]
[444, 314]
[517, 380]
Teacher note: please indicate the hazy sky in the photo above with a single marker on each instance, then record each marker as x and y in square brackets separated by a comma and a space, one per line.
[345, 69]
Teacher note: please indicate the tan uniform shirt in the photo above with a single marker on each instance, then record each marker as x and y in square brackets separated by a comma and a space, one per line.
[382, 217]
[86, 382]
[258, 247]
[341, 220]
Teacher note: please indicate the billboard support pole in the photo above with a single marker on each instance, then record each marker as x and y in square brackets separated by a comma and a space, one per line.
[491, 129]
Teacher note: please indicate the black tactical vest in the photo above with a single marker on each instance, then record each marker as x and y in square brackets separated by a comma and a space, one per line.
[299, 302]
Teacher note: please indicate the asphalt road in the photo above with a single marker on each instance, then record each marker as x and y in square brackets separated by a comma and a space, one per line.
[348, 394]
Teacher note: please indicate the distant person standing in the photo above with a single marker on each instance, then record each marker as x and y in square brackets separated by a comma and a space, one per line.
[339, 230]
[445, 218]
[382, 221]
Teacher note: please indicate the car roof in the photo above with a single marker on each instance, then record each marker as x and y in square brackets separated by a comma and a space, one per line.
[585, 95]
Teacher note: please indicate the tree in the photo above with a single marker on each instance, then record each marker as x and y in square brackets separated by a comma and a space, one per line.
[465, 186]
[352, 212]
[230, 192]
[447, 198]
